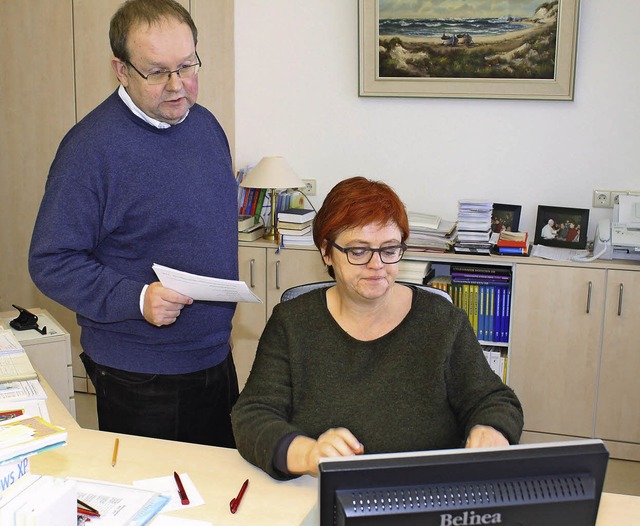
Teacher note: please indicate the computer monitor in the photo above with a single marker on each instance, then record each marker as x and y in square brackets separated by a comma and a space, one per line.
[547, 484]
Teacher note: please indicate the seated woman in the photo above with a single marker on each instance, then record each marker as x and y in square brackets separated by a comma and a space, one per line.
[367, 365]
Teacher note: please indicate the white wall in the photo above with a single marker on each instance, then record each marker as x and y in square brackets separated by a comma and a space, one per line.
[297, 96]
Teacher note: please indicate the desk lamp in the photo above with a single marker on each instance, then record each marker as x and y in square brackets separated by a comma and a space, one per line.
[273, 173]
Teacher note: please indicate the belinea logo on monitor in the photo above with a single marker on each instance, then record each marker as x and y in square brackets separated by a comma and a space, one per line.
[470, 518]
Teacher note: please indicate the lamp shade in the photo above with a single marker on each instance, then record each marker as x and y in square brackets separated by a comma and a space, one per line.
[272, 172]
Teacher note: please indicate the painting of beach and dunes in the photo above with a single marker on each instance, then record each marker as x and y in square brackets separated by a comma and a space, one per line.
[466, 48]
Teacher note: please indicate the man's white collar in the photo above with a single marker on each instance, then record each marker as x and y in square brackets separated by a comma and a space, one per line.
[137, 111]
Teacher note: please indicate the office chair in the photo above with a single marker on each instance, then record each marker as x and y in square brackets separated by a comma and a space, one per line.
[294, 292]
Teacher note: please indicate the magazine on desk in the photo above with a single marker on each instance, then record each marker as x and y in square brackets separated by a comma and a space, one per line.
[28, 435]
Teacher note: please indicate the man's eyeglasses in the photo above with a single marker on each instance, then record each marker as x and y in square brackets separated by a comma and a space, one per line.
[162, 77]
[362, 255]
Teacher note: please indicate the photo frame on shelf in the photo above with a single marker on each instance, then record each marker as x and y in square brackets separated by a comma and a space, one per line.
[505, 217]
[562, 227]
[422, 49]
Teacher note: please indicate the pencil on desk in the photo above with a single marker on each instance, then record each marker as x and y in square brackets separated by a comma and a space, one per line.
[114, 458]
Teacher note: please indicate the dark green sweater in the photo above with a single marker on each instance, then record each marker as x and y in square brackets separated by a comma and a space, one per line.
[422, 386]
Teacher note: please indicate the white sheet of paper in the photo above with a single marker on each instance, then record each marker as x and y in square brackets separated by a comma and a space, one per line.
[167, 486]
[8, 342]
[203, 287]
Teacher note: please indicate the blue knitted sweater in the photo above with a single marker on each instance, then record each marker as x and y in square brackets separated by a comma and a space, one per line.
[120, 196]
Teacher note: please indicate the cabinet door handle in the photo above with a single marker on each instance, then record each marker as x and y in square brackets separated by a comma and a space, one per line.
[278, 275]
[620, 293]
[251, 265]
[589, 297]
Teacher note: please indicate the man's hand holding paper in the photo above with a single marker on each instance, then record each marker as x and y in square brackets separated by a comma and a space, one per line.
[204, 288]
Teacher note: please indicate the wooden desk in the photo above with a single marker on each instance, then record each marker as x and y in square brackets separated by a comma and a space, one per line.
[218, 474]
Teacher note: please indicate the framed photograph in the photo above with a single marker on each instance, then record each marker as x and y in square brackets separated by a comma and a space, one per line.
[505, 218]
[522, 49]
[562, 227]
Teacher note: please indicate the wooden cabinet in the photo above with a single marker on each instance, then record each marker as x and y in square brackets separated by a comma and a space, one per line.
[268, 272]
[556, 345]
[575, 352]
[618, 409]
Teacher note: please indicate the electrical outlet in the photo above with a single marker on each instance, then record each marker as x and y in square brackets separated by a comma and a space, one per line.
[310, 187]
[615, 194]
[602, 199]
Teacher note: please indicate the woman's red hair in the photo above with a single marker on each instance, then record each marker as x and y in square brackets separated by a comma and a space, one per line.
[357, 202]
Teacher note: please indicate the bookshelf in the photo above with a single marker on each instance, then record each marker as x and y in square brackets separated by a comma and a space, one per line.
[482, 288]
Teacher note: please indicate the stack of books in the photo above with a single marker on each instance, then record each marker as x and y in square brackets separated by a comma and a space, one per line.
[474, 227]
[418, 272]
[430, 233]
[294, 226]
[484, 293]
[249, 228]
[513, 243]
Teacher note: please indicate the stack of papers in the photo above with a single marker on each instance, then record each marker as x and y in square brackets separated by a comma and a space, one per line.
[430, 233]
[474, 226]
[557, 254]
[14, 362]
[20, 391]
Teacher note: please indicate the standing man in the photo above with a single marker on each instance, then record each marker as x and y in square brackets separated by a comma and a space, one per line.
[145, 178]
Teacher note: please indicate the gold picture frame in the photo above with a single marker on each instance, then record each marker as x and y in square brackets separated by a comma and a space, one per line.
[557, 85]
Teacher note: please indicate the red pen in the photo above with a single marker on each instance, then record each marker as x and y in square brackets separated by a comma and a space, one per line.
[183, 494]
[84, 509]
[233, 505]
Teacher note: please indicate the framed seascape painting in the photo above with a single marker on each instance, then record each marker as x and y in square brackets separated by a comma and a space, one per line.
[520, 49]
[505, 218]
[562, 227]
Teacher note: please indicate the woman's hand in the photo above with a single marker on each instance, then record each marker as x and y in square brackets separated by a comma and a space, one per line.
[304, 453]
[486, 436]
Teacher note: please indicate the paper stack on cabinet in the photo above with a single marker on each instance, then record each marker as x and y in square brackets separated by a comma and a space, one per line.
[14, 362]
[474, 226]
[430, 233]
[20, 391]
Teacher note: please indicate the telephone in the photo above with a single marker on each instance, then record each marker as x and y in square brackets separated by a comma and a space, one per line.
[602, 247]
